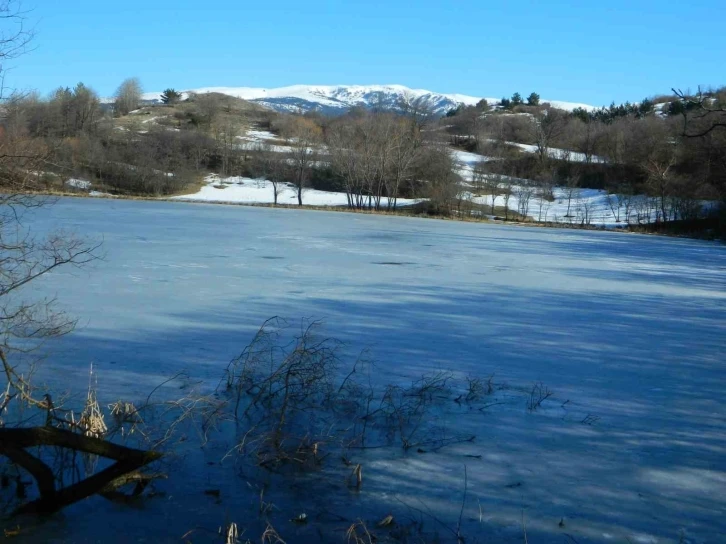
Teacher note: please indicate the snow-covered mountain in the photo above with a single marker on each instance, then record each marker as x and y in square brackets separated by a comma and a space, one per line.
[336, 99]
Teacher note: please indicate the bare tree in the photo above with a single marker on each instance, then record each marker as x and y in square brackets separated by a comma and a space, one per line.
[269, 166]
[303, 137]
[615, 204]
[342, 142]
[701, 113]
[654, 147]
[506, 185]
[407, 145]
[544, 197]
[441, 182]
[493, 187]
[226, 129]
[128, 96]
[546, 127]
[375, 154]
[417, 109]
[524, 192]
[584, 136]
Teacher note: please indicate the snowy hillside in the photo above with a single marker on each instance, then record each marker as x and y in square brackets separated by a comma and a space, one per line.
[334, 99]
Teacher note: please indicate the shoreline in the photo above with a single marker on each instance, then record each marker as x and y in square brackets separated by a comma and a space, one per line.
[625, 229]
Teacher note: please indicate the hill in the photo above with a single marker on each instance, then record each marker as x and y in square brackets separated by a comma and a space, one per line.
[337, 99]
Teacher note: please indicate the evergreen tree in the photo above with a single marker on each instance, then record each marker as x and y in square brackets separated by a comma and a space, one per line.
[646, 107]
[533, 99]
[454, 111]
[582, 115]
[517, 99]
[505, 103]
[482, 105]
[675, 108]
[170, 96]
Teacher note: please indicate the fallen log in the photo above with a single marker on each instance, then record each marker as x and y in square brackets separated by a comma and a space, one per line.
[14, 441]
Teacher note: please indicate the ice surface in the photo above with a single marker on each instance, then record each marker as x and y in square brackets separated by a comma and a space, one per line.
[625, 327]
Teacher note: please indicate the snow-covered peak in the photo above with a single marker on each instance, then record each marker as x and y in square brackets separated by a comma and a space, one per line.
[339, 98]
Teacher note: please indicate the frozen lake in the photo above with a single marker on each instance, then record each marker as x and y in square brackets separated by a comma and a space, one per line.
[628, 328]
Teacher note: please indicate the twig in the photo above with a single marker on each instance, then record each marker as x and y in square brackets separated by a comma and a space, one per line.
[459, 538]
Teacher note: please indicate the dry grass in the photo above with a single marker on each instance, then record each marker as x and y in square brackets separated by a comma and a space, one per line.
[271, 536]
[358, 533]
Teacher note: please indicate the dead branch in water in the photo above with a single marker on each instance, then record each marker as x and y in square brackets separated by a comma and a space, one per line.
[13, 444]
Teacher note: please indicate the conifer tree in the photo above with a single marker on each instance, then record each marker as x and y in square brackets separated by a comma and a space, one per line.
[170, 96]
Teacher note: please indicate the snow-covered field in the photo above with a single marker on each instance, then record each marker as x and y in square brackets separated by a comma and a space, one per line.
[577, 206]
[78, 183]
[557, 153]
[240, 190]
[627, 330]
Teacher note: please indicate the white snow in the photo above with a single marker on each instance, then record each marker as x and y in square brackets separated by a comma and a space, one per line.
[346, 96]
[570, 205]
[469, 159]
[557, 153]
[568, 106]
[466, 163]
[580, 207]
[78, 183]
[256, 144]
[260, 135]
[241, 190]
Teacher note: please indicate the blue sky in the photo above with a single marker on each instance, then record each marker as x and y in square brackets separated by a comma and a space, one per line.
[591, 52]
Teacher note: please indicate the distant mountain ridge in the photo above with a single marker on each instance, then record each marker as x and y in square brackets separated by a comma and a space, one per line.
[337, 99]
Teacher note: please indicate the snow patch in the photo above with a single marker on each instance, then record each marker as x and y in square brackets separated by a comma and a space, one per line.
[78, 183]
[241, 190]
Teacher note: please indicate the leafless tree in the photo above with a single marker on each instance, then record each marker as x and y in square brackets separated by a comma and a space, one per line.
[269, 166]
[441, 182]
[417, 109]
[544, 197]
[407, 146]
[571, 191]
[546, 127]
[374, 154]
[615, 204]
[128, 96]
[226, 131]
[524, 192]
[654, 146]
[585, 209]
[506, 185]
[303, 137]
[584, 136]
[701, 113]
[342, 141]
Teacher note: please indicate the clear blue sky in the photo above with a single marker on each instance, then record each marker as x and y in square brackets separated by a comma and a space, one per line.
[591, 52]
